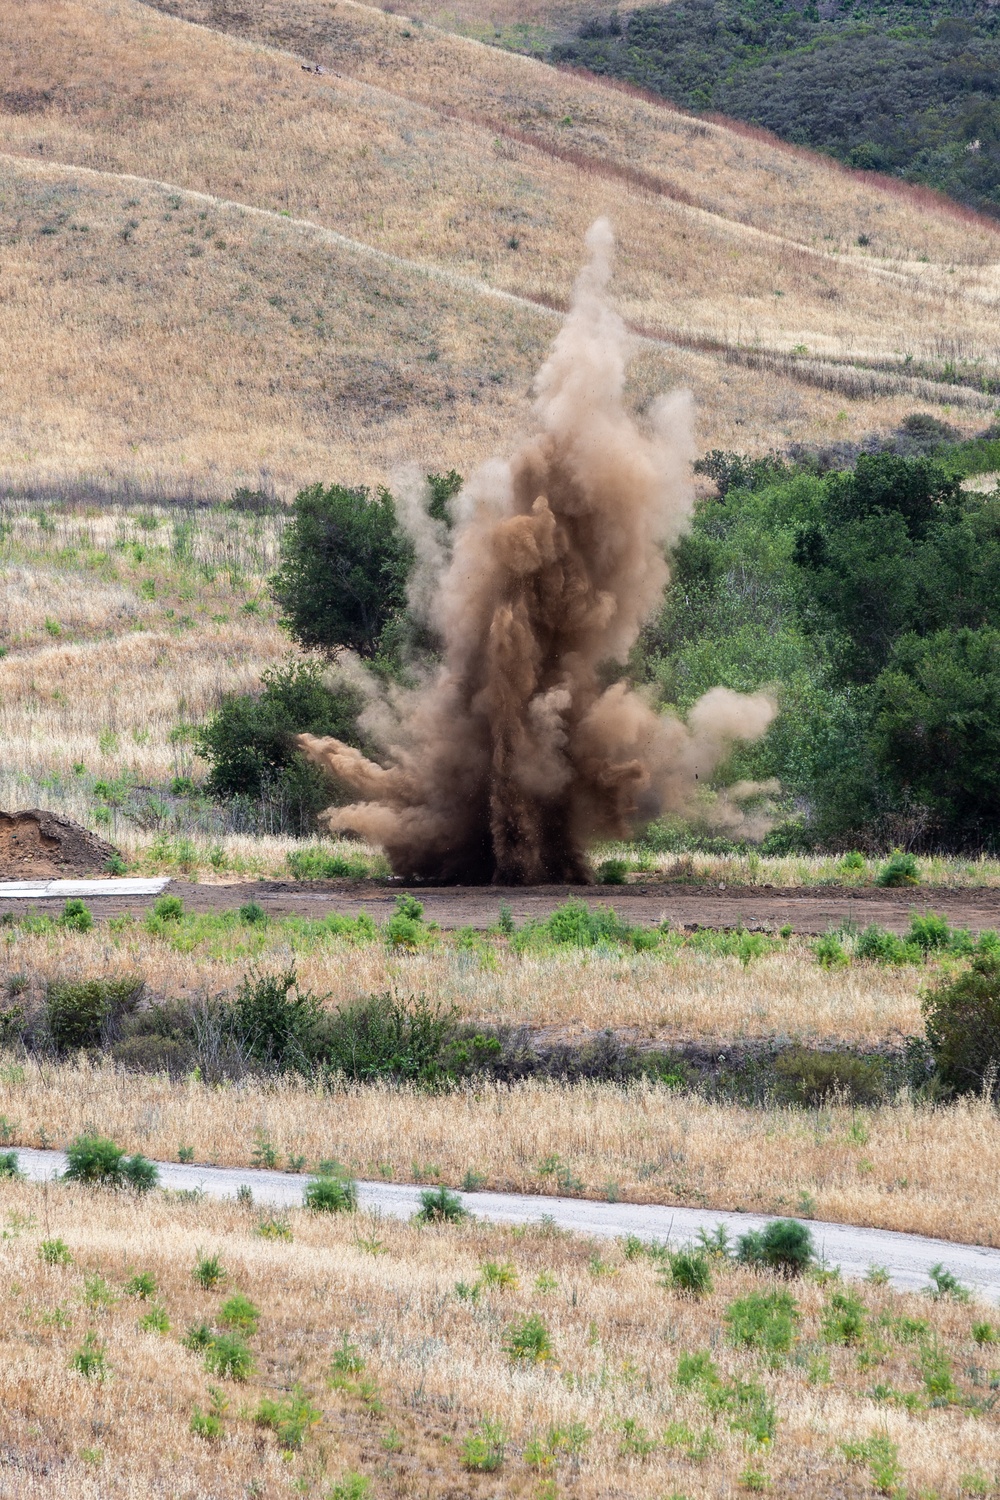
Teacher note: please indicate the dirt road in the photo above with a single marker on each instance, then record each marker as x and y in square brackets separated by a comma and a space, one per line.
[807, 909]
[907, 1257]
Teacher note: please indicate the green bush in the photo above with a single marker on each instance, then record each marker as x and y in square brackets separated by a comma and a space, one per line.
[962, 1024]
[209, 1272]
[289, 1418]
[876, 945]
[274, 1023]
[229, 1357]
[688, 1271]
[612, 872]
[385, 1036]
[784, 1245]
[440, 1206]
[812, 1078]
[54, 1253]
[9, 1167]
[323, 864]
[76, 917]
[482, 1452]
[90, 1360]
[344, 564]
[99, 1162]
[937, 725]
[331, 1194]
[845, 1319]
[77, 1011]
[899, 869]
[239, 1314]
[529, 1340]
[763, 1321]
[249, 742]
[405, 928]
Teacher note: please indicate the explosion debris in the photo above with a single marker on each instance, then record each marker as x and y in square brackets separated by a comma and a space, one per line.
[515, 757]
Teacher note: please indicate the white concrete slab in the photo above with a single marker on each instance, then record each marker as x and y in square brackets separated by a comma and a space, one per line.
[40, 890]
[908, 1258]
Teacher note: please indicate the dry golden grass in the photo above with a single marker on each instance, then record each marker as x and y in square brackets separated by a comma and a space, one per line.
[927, 1170]
[436, 150]
[434, 1365]
[690, 996]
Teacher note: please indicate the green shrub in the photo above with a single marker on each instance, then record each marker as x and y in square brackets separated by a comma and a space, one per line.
[54, 1253]
[323, 864]
[929, 932]
[77, 1011]
[830, 952]
[529, 1340]
[612, 872]
[482, 1452]
[289, 1418]
[763, 1321]
[784, 1245]
[353, 1486]
[240, 1314]
[331, 1194]
[579, 925]
[249, 742]
[76, 917]
[946, 1284]
[273, 1026]
[168, 908]
[844, 1319]
[342, 574]
[899, 869]
[142, 1284]
[688, 1271]
[440, 1206]
[386, 1036]
[406, 928]
[198, 1337]
[813, 1078]
[229, 1357]
[98, 1161]
[206, 1424]
[209, 1271]
[252, 914]
[9, 1166]
[962, 1023]
[876, 945]
[155, 1320]
[90, 1359]
[881, 1457]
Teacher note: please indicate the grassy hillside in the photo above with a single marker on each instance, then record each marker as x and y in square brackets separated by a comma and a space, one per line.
[907, 86]
[280, 346]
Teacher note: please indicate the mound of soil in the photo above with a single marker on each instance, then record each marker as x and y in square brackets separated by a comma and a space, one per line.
[37, 844]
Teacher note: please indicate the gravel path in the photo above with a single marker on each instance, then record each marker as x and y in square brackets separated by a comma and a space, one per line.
[907, 1257]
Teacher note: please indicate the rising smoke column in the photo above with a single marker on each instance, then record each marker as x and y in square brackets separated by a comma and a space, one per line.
[514, 759]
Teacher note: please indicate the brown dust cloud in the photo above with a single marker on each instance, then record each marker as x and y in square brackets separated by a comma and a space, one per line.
[515, 757]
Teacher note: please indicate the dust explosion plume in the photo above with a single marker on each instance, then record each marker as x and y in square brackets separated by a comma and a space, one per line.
[516, 756]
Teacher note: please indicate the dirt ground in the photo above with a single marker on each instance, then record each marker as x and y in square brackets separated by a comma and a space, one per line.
[40, 845]
[806, 909]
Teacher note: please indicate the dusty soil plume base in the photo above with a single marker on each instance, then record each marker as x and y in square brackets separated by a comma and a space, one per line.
[515, 758]
[38, 844]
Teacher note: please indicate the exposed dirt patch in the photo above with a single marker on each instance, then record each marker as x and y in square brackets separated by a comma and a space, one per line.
[39, 844]
[808, 910]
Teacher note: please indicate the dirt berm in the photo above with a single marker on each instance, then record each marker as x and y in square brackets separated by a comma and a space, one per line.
[41, 845]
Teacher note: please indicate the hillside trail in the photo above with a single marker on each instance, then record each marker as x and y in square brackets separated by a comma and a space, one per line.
[809, 910]
[907, 1258]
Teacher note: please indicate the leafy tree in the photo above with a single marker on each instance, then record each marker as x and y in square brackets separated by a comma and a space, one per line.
[249, 741]
[343, 568]
[937, 725]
